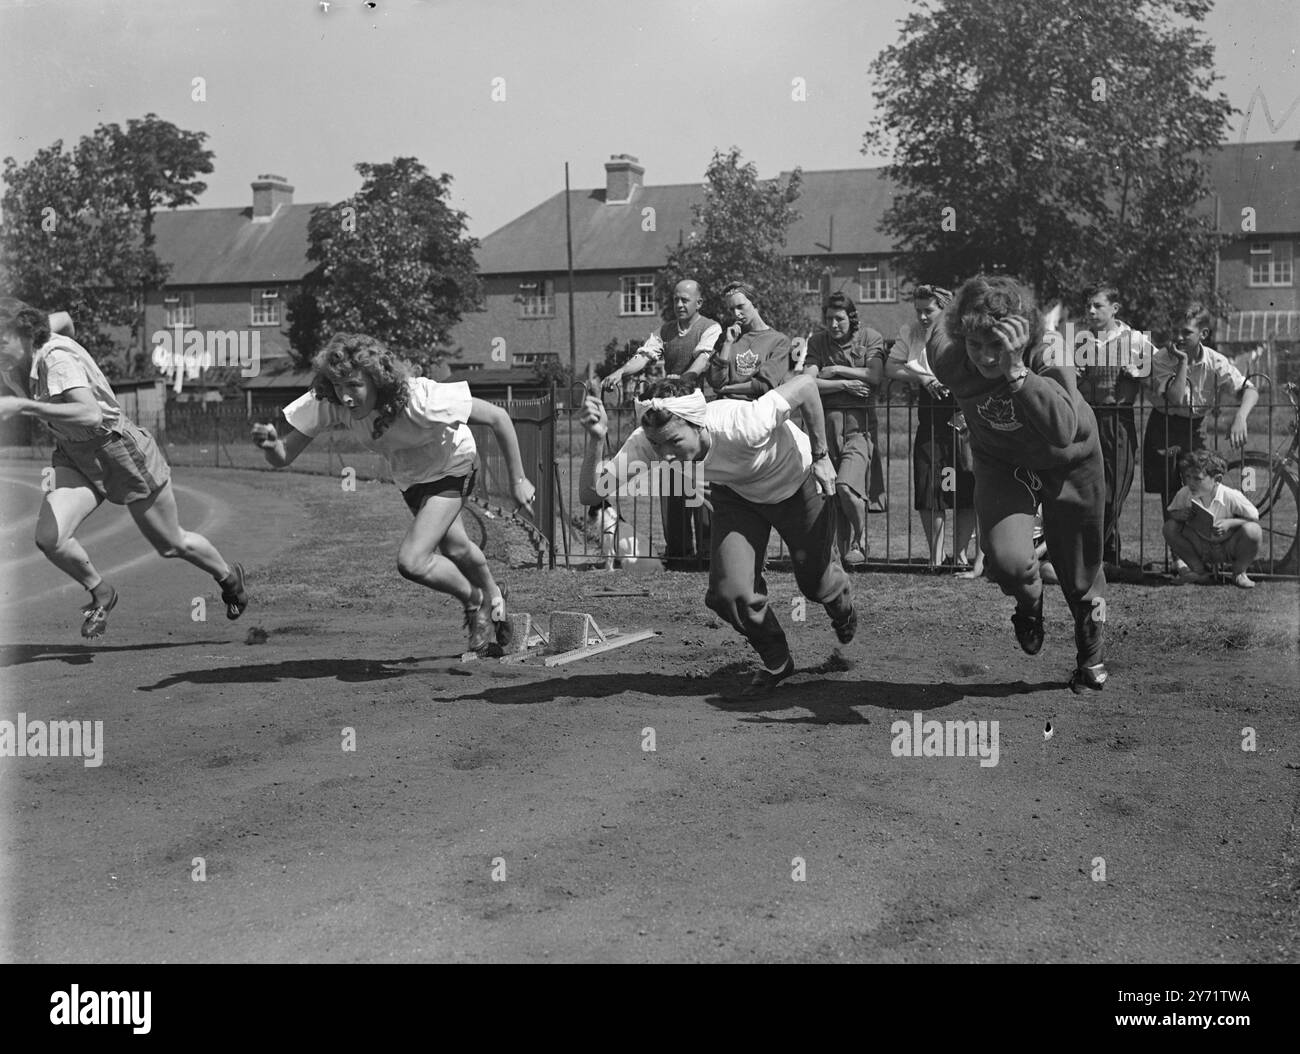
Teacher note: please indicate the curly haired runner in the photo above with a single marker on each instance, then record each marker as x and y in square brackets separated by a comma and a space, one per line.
[1034, 440]
[99, 454]
[419, 426]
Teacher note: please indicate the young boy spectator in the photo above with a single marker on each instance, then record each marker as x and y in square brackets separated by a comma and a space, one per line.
[1109, 382]
[1211, 524]
[1187, 380]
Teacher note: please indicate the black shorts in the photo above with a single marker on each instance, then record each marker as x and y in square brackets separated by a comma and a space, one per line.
[416, 496]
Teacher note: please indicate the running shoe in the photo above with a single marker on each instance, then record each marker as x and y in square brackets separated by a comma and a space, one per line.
[234, 596]
[765, 681]
[95, 617]
[1089, 677]
[1029, 629]
[478, 622]
[846, 627]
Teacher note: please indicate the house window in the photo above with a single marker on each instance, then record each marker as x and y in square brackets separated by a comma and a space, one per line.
[537, 298]
[266, 307]
[638, 295]
[179, 308]
[1271, 263]
[875, 284]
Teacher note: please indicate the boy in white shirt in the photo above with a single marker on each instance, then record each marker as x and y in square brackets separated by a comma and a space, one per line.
[763, 472]
[1211, 524]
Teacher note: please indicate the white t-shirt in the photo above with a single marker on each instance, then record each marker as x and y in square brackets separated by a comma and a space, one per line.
[429, 439]
[1227, 504]
[755, 450]
[59, 365]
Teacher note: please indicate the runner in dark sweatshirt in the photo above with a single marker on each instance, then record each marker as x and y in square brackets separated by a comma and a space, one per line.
[1034, 439]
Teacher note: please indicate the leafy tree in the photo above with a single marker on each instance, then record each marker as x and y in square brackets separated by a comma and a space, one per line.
[1067, 138]
[616, 352]
[550, 370]
[392, 261]
[741, 228]
[77, 233]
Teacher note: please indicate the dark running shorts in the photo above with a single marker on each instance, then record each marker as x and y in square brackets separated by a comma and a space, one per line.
[121, 467]
[417, 495]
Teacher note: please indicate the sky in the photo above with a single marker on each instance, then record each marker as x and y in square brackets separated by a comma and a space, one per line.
[306, 89]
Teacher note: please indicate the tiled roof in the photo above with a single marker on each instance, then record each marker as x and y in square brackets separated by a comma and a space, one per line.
[1263, 176]
[215, 246]
[610, 237]
[604, 236]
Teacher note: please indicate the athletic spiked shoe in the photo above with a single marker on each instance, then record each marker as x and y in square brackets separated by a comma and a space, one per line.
[846, 627]
[478, 622]
[501, 621]
[1029, 629]
[232, 592]
[765, 681]
[95, 617]
[1089, 677]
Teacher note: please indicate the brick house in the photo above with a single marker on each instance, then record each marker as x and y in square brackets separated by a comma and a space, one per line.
[622, 233]
[235, 268]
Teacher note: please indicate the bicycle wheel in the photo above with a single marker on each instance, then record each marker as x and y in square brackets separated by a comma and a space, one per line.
[1273, 489]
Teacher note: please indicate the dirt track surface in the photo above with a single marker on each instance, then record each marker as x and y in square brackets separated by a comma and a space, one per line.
[232, 752]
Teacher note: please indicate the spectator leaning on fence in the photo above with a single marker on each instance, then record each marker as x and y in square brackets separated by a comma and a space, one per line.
[1187, 380]
[1108, 380]
[939, 479]
[683, 346]
[754, 358]
[847, 361]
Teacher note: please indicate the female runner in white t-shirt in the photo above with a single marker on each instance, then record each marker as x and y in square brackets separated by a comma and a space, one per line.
[420, 426]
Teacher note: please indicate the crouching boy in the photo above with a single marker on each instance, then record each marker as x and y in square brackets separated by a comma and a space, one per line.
[1211, 524]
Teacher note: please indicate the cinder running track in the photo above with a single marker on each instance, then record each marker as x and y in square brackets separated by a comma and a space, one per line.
[232, 754]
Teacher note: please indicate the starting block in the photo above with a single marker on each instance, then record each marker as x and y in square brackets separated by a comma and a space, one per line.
[575, 635]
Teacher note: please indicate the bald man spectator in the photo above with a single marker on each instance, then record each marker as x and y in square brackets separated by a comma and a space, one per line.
[683, 346]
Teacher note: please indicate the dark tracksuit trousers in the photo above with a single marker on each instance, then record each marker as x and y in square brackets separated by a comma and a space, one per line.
[686, 528]
[1072, 498]
[1117, 430]
[740, 533]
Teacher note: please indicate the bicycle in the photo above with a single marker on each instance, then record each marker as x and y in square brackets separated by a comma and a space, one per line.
[1272, 482]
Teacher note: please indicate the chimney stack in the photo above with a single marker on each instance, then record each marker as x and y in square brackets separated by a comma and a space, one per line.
[622, 176]
[269, 193]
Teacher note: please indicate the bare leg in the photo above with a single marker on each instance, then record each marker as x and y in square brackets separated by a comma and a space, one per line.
[64, 510]
[469, 559]
[1243, 546]
[419, 560]
[156, 518]
[1183, 547]
[932, 524]
[852, 521]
